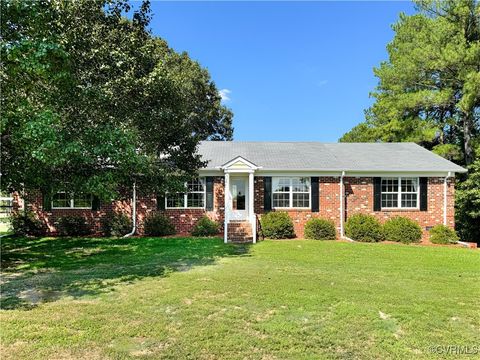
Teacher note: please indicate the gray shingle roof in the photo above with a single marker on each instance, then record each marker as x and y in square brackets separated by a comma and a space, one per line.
[327, 156]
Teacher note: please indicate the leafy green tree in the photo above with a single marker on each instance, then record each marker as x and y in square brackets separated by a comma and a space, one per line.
[467, 203]
[429, 89]
[90, 98]
[429, 93]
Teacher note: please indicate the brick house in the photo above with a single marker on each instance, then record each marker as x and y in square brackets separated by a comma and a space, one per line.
[243, 180]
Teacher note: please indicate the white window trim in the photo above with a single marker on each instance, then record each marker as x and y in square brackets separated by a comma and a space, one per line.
[185, 197]
[291, 192]
[399, 193]
[72, 203]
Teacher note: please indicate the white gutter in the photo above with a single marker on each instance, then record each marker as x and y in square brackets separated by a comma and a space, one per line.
[445, 197]
[342, 195]
[134, 212]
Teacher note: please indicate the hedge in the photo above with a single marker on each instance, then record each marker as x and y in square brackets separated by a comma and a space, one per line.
[320, 229]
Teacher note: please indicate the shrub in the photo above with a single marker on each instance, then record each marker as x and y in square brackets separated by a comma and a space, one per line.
[402, 229]
[116, 225]
[277, 225]
[320, 229]
[26, 224]
[442, 234]
[364, 228]
[205, 227]
[73, 226]
[158, 225]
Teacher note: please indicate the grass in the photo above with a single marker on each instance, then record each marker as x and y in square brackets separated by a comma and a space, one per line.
[4, 226]
[198, 298]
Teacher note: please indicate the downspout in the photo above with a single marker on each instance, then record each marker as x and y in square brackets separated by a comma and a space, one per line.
[445, 198]
[134, 211]
[342, 215]
[226, 207]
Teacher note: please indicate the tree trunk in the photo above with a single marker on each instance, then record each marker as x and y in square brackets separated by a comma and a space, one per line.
[467, 137]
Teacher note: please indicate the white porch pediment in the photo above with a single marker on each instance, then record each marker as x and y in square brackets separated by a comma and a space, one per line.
[239, 164]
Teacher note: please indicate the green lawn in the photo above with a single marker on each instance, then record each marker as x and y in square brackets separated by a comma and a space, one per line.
[4, 226]
[198, 298]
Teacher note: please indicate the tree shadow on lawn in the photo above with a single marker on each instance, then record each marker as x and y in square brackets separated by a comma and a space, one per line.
[45, 269]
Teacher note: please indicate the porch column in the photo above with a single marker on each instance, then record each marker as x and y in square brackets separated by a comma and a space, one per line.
[251, 202]
[226, 207]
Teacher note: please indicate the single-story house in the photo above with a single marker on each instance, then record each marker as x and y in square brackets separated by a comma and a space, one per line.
[243, 180]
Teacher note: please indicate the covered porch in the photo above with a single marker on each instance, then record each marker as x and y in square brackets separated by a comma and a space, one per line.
[240, 218]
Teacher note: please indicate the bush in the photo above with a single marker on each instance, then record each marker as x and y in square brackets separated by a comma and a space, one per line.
[116, 225]
[73, 226]
[320, 229]
[205, 227]
[402, 229]
[158, 225]
[277, 225]
[26, 224]
[364, 228]
[442, 234]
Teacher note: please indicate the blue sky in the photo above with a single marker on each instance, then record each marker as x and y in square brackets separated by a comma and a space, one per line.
[290, 71]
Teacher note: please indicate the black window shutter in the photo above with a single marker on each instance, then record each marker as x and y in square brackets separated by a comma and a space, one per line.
[47, 200]
[377, 194]
[209, 199]
[423, 194]
[315, 194]
[267, 193]
[95, 203]
[160, 202]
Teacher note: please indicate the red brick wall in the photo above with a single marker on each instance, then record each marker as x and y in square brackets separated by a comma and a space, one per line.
[359, 199]
[33, 201]
[329, 201]
[183, 219]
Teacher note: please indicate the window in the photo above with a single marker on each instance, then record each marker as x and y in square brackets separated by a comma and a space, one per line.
[194, 197]
[291, 192]
[401, 192]
[65, 200]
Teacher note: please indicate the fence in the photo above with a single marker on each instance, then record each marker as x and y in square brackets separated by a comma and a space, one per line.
[6, 206]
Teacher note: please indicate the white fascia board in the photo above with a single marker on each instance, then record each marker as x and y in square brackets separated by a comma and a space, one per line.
[395, 173]
[303, 173]
[334, 173]
[239, 171]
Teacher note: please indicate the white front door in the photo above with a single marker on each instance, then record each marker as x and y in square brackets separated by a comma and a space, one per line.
[239, 192]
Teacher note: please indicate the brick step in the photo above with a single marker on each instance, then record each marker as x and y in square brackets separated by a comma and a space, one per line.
[241, 240]
[231, 236]
[239, 231]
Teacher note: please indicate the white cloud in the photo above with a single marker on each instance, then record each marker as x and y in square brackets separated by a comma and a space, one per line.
[322, 82]
[224, 94]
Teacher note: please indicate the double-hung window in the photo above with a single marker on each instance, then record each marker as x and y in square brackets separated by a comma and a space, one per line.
[67, 200]
[193, 197]
[291, 192]
[400, 192]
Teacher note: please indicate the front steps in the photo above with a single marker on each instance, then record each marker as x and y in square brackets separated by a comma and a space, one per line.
[239, 231]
